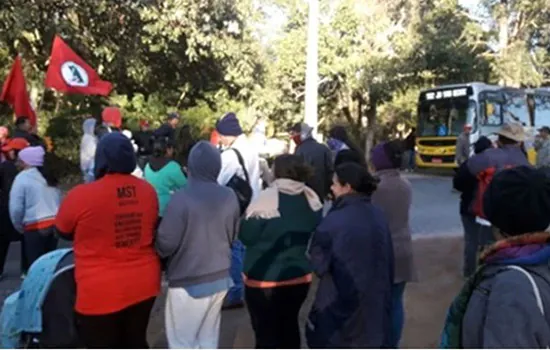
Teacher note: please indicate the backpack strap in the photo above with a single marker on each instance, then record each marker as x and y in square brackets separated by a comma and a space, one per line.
[241, 162]
[533, 285]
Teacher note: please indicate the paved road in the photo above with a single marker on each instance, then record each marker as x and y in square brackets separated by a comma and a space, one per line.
[435, 207]
[434, 213]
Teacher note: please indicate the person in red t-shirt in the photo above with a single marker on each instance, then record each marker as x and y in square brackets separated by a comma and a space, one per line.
[112, 222]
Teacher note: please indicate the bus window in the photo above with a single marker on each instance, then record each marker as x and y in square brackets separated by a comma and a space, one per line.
[492, 115]
[542, 110]
[445, 117]
[516, 109]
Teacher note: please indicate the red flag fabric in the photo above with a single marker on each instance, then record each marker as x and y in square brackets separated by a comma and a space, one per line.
[70, 74]
[15, 92]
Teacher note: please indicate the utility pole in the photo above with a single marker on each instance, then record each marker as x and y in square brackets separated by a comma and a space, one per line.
[312, 78]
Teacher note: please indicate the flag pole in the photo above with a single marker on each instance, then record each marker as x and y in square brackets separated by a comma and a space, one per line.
[41, 101]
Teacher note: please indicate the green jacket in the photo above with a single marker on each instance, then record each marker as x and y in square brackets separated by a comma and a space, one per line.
[167, 179]
[275, 248]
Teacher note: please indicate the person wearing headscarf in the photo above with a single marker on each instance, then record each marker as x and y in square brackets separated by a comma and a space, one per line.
[394, 196]
[88, 146]
[466, 184]
[505, 304]
[34, 202]
[317, 155]
[112, 222]
[351, 253]
[8, 172]
[278, 276]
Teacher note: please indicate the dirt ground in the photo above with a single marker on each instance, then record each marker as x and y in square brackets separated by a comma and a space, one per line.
[438, 261]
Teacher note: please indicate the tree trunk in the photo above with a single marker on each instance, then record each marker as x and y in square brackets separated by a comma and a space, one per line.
[503, 39]
[371, 129]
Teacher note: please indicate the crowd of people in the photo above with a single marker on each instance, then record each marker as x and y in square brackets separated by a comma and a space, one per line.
[224, 230]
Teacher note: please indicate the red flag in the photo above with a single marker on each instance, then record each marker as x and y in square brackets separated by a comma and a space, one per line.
[15, 92]
[69, 73]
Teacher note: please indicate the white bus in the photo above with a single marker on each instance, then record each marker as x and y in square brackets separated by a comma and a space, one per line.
[445, 110]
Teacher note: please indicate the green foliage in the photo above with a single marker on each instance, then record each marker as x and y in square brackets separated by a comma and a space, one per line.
[205, 58]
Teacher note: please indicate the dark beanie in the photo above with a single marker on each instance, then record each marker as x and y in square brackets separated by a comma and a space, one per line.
[114, 154]
[229, 125]
[517, 200]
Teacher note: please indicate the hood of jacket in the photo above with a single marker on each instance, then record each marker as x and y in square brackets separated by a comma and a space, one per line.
[88, 126]
[204, 163]
[88, 145]
[114, 154]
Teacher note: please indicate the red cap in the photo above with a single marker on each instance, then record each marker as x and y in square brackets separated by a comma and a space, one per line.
[143, 123]
[113, 116]
[17, 144]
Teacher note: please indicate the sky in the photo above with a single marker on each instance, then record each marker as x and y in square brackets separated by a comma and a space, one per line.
[276, 19]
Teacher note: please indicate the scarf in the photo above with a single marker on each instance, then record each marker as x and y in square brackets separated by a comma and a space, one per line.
[527, 249]
[266, 206]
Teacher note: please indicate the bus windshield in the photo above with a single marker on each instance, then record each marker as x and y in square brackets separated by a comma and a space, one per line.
[445, 117]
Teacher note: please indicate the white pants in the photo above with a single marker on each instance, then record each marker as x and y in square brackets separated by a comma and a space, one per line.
[193, 323]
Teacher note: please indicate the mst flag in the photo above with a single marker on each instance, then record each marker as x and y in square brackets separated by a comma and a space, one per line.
[69, 73]
[15, 92]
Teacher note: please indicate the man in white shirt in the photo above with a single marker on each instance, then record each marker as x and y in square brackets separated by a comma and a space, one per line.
[234, 140]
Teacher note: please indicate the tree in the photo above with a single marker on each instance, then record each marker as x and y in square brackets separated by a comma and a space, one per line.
[520, 31]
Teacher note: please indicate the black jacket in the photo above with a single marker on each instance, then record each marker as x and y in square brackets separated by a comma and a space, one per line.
[319, 157]
[165, 130]
[33, 139]
[144, 141]
[8, 172]
[466, 183]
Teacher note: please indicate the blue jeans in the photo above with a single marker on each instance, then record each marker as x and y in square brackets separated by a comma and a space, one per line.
[397, 314]
[408, 162]
[236, 293]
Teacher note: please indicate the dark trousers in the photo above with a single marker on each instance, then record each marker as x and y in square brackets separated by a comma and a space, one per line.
[36, 244]
[5, 243]
[274, 315]
[125, 329]
[476, 238]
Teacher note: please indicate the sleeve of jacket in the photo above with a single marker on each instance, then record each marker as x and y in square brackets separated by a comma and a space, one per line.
[230, 166]
[463, 180]
[177, 178]
[513, 319]
[17, 204]
[171, 229]
[320, 251]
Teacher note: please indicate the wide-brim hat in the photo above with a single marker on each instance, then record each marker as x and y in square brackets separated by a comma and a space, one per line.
[513, 132]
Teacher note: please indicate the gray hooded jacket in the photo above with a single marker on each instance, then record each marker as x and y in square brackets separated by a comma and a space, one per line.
[503, 311]
[199, 224]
